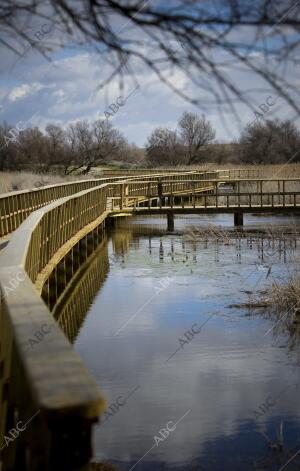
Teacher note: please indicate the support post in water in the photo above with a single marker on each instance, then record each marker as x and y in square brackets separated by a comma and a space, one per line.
[170, 216]
[238, 218]
[159, 192]
[110, 222]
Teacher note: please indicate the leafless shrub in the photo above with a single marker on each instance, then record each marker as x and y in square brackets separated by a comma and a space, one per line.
[271, 142]
[164, 148]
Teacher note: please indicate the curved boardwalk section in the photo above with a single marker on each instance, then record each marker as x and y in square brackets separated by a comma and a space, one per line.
[48, 399]
[16, 206]
[42, 379]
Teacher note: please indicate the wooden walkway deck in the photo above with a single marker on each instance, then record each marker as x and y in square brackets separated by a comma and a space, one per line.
[59, 229]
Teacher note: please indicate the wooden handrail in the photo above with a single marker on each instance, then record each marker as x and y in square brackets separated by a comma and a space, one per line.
[53, 378]
[16, 206]
[48, 381]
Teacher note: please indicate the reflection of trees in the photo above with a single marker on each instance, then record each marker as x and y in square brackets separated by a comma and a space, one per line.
[250, 448]
[271, 246]
[270, 249]
[72, 308]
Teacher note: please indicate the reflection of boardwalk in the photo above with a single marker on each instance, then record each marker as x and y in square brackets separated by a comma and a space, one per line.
[269, 245]
[4, 241]
[61, 227]
[73, 306]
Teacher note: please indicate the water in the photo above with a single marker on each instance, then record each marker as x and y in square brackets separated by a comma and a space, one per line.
[193, 384]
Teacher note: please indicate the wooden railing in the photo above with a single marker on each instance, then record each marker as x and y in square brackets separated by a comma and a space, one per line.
[228, 173]
[130, 193]
[247, 194]
[48, 401]
[138, 172]
[240, 173]
[41, 376]
[16, 206]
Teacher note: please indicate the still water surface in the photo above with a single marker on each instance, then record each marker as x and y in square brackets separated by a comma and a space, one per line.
[165, 347]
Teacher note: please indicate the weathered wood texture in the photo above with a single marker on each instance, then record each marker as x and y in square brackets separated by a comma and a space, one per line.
[42, 380]
[231, 173]
[206, 195]
[44, 375]
[16, 206]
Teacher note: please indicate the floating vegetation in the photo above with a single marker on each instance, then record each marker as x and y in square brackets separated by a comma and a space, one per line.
[103, 467]
[251, 305]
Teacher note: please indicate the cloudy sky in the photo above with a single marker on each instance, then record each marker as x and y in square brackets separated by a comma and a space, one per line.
[64, 89]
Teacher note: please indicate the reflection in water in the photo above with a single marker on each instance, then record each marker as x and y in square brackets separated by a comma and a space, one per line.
[240, 386]
[71, 311]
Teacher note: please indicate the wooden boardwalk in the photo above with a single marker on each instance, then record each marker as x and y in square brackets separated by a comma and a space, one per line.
[214, 196]
[53, 233]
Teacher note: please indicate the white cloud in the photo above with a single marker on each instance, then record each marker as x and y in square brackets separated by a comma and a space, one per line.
[66, 91]
[19, 92]
[24, 90]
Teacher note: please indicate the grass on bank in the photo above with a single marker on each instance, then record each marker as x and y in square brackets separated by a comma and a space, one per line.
[21, 180]
[15, 181]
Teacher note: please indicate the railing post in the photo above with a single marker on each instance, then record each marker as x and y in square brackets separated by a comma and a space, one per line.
[194, 195]
[170, 217]
[159, 190]
[122, 196]
[126, 193]
[238, 218]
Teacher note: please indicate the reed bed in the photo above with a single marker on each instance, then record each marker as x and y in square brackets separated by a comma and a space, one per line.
[273, 171]
[15, 181]
[103, 467]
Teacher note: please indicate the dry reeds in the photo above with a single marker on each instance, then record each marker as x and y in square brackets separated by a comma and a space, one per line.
[15, 181]
[103, 467]
[287, 296]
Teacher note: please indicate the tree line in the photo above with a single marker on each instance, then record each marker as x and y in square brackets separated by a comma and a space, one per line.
[82, 145]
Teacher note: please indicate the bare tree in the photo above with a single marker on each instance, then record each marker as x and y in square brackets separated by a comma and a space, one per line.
[164, 148]
[93, 144]
[109, 142]
[131, 154]
[8, 149]
[195, 132]
[34, 148]
[220, 36]
[80, 147]
[85, 145]
[56, 139]
[270, 142]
